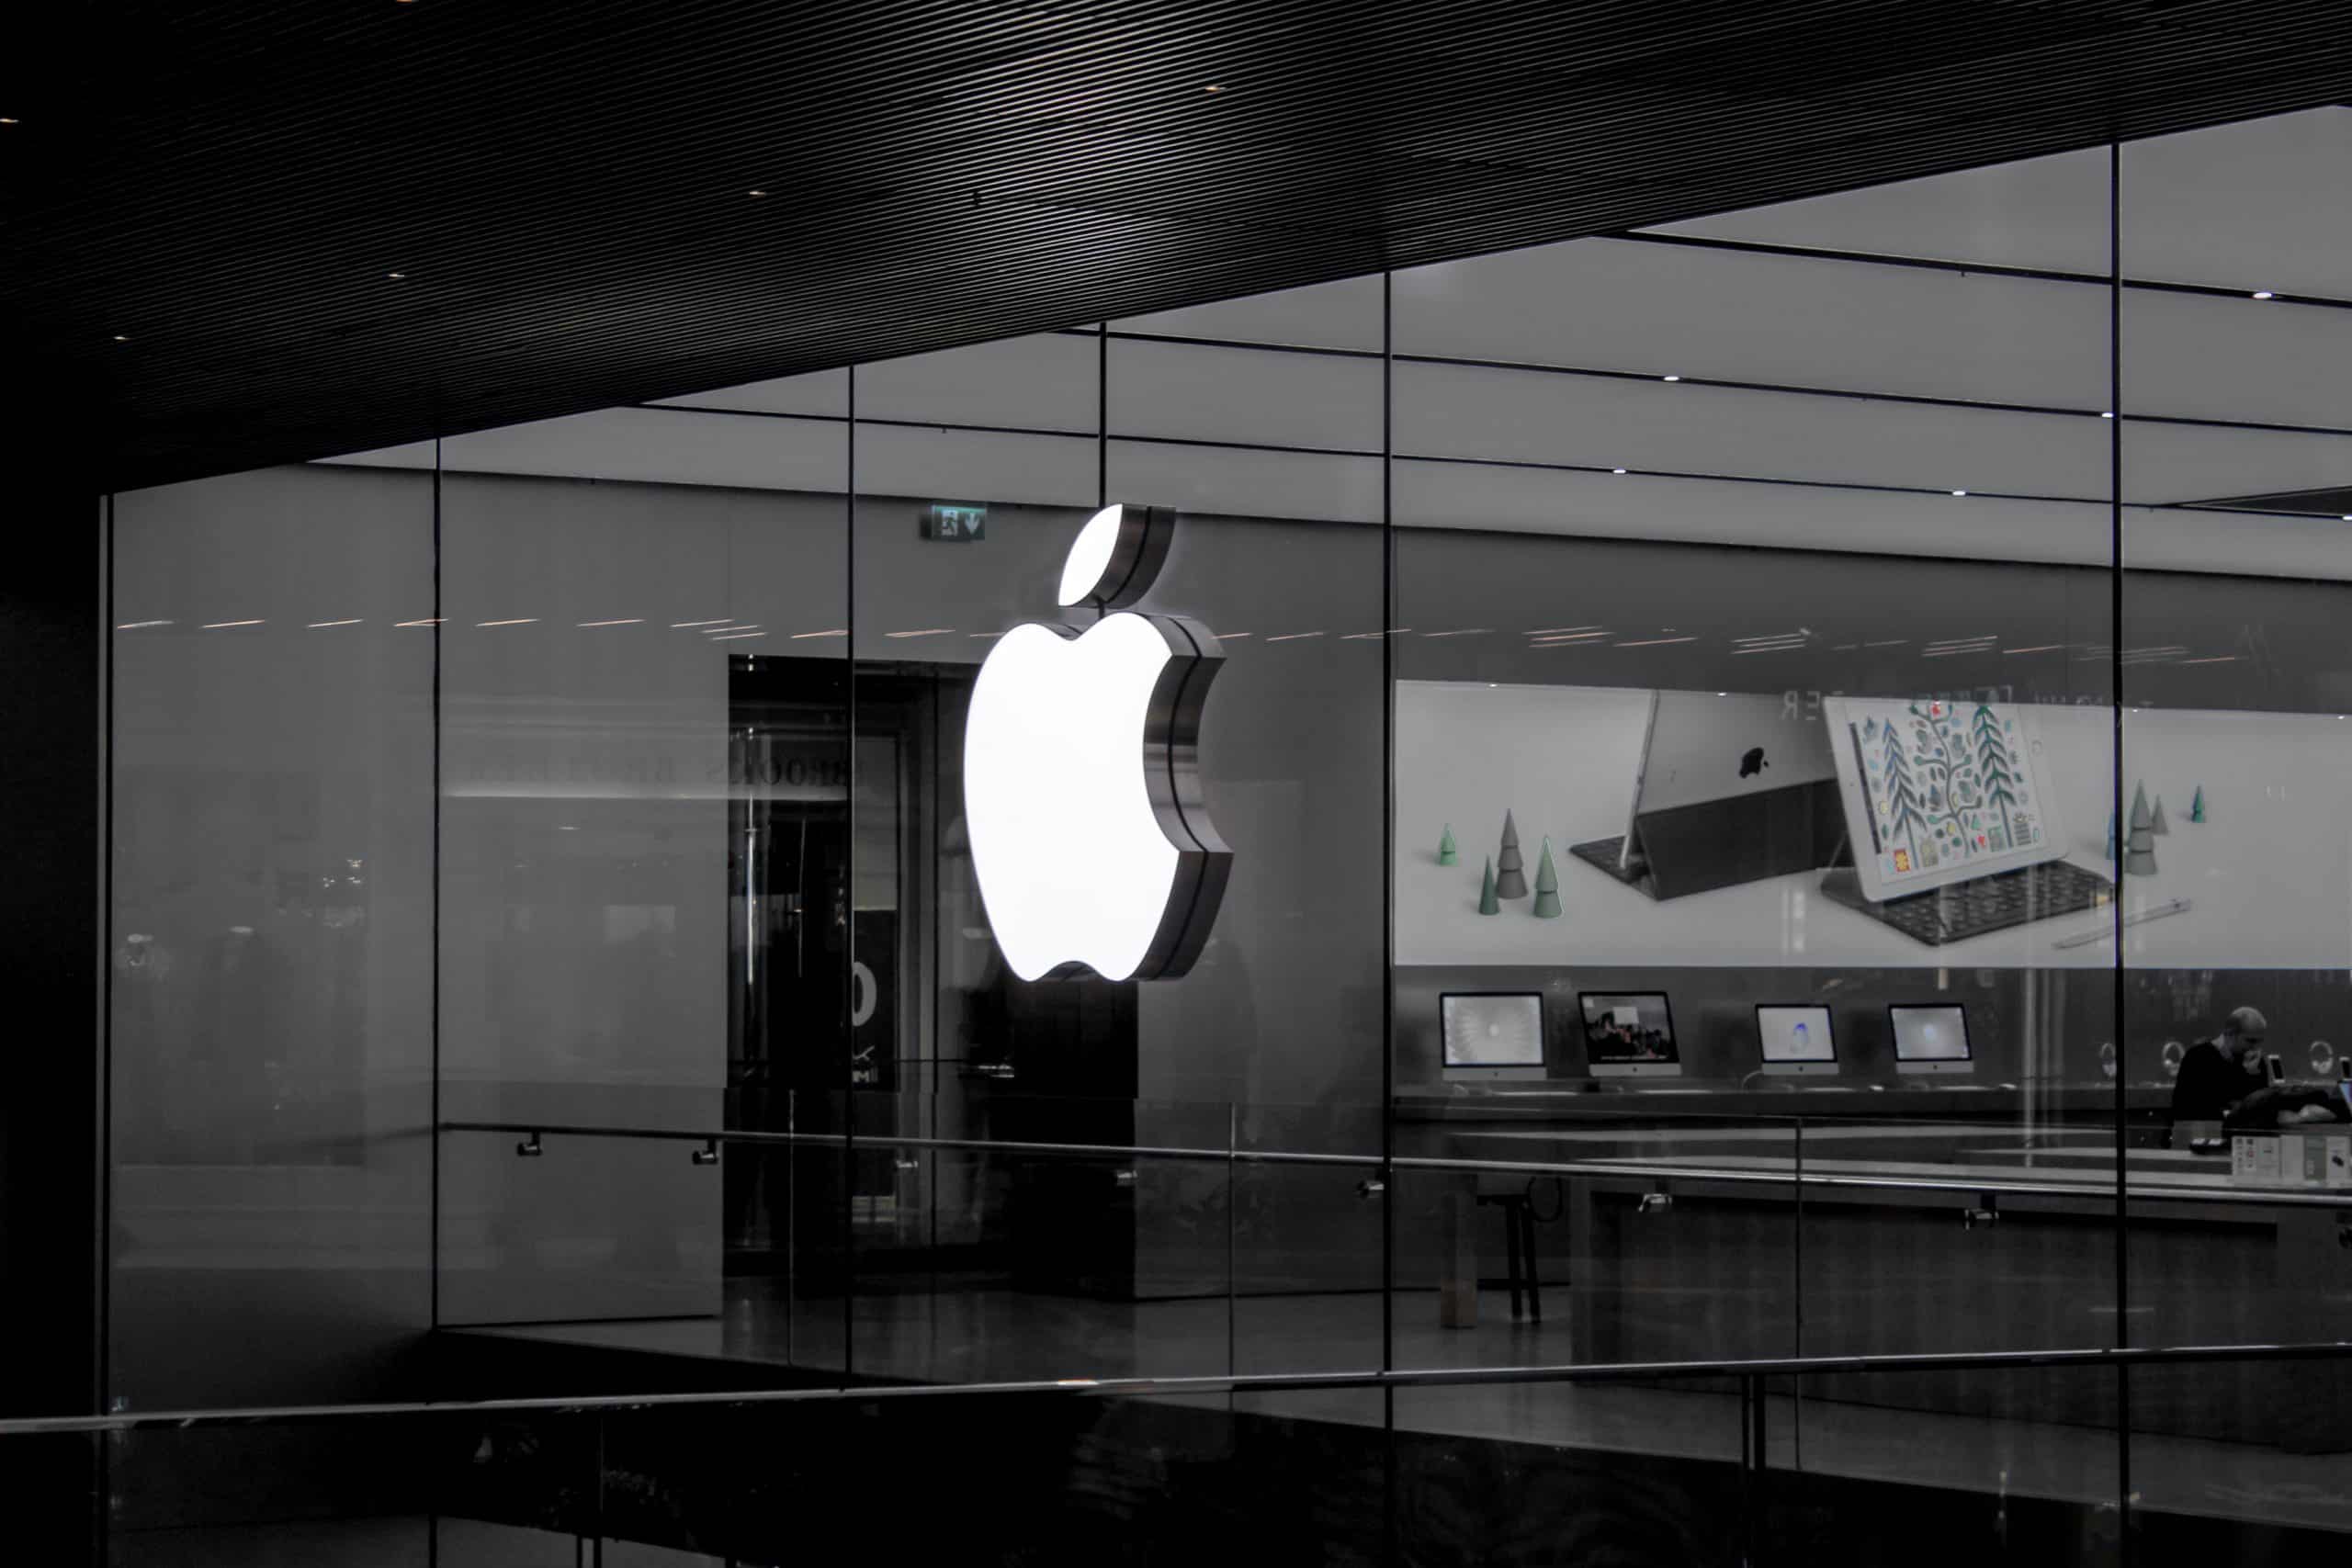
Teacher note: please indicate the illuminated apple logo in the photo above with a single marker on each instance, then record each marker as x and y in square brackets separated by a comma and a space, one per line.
[1081, 796]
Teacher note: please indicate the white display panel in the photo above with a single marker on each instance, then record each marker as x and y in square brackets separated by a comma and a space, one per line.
[2266, 877]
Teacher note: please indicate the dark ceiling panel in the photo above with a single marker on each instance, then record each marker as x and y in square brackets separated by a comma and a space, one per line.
[202, 205]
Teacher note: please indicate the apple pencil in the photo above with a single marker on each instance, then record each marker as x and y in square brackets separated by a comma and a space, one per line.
[2176, 906]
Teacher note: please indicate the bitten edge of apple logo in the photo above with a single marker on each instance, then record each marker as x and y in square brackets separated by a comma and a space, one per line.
[1111, 565]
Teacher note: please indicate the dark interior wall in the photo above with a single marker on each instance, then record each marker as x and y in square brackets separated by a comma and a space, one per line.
[53, 642]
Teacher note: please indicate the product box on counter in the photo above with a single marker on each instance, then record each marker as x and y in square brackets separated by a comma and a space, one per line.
[2314, 1157]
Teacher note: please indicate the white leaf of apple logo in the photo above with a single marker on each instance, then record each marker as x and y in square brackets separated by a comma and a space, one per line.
[1082, 798]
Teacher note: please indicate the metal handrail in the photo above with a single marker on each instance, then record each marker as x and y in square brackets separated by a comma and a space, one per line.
[1251, 1382]
[2004, 1186]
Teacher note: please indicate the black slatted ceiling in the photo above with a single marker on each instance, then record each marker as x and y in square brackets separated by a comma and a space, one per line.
[566, 186]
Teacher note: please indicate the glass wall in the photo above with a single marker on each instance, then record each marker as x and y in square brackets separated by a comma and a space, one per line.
[1753, 754]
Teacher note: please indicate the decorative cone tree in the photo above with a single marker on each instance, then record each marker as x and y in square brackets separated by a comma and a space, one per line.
[2140, 849]
[1446, 853]
[1488, 903]
[2156, 823]
[2197, 807]
[1547, 886]
[1510, 872]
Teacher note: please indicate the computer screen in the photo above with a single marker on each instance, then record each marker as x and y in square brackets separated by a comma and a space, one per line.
[1492, 1029]
[1930, 1039]
[1943, 791]
[1629, 1034]
[1796, 1039]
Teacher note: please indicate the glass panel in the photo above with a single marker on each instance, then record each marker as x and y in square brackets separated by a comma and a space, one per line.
[2237, 471]
[1572, 1472]
[643, 824]
[1989, 1463]
[1759, 648]
[1564, 1236]
[271, 955]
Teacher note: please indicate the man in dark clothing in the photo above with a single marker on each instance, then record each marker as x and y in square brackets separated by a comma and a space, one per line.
[2216, 1074]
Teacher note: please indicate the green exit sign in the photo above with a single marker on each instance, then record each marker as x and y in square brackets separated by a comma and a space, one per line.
[958, 524]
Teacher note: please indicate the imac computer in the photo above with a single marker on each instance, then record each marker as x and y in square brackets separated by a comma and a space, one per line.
[1930, 1039]
[1629, 1034]
[1491, 1036]
[1797, 1040]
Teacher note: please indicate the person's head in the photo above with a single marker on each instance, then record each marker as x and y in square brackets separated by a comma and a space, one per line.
[2243, 1033]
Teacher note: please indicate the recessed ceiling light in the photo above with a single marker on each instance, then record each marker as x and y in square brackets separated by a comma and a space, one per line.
[395, 275]
[755, 193]
[1670, 377]
[119, 338]
[10, 119]
[1616, 471]
[2107, 414]
[2262, 294]
[2346, 518]
[1212, 88]
[1959, 492]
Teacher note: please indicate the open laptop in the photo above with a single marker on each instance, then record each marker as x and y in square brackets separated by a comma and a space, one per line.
[1731, 787]
[1952, 826]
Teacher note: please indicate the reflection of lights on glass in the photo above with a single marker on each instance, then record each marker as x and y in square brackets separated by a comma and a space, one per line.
[2172, 1053]
[2323, 1055]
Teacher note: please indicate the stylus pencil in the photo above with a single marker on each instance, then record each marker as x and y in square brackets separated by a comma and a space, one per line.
[2177, 905]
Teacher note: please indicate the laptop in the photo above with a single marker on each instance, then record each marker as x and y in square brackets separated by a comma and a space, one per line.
[1731, 787]
[1953, 830]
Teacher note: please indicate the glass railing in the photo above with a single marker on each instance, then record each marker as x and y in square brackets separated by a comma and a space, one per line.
[886, 1241]
[2080, 1456]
